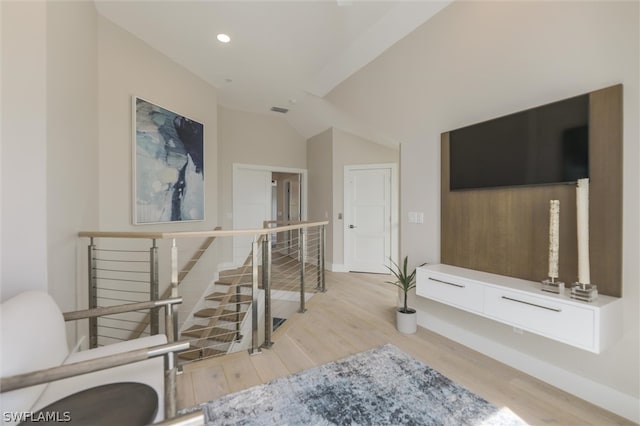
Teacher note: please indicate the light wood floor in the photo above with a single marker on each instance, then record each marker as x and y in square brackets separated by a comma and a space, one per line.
[356, 314]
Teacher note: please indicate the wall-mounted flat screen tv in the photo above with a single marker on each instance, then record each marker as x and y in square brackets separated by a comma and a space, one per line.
[544, 145]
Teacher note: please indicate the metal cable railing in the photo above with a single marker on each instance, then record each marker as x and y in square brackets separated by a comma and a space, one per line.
[120, 274]
[297, 271]
[117, 276]
[239, 308]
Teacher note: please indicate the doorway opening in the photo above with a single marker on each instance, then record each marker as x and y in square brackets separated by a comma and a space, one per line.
[262, 193]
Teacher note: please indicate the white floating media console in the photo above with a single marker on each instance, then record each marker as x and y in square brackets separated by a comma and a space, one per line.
[522, 304]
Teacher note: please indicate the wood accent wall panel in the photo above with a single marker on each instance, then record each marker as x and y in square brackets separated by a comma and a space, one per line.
[605, 208]
[506, 230]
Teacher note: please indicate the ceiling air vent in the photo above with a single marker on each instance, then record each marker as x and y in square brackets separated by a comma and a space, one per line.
[280, 110]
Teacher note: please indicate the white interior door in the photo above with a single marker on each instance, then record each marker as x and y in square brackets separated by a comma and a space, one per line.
[368, 218]
[251, 206]
[293, 199]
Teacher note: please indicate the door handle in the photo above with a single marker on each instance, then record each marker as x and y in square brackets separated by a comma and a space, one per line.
[352, 226]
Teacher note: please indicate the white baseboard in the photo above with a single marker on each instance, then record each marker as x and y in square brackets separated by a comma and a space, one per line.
[596, 393]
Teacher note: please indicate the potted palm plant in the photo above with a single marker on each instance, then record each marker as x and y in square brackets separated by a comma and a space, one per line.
[406, 318]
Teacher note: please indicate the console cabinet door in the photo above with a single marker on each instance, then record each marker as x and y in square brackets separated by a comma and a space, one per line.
[560, 321]
[454, 291]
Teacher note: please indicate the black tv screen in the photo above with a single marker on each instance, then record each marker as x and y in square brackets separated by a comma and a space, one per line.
[543, 145]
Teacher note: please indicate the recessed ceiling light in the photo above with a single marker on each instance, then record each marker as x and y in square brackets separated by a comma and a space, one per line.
[223, 38]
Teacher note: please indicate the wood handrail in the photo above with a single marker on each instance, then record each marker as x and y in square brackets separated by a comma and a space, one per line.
[64, 371]
[197, 234]
[119, 309]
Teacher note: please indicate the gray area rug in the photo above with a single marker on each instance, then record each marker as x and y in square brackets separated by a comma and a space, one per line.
[383, 386]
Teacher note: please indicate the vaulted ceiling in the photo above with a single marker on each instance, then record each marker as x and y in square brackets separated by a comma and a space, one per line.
[287, 54]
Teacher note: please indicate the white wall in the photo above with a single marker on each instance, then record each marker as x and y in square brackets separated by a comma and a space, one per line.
[320, 166]
[478, 60]
[328, 153]
[72, 141]
[49, 164]
[68, 77]
[129, 67]
[24, 148]
[351, 150]
[257, 139]
[50, 145]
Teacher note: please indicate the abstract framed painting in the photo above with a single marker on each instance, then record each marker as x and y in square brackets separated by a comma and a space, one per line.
[168, 165]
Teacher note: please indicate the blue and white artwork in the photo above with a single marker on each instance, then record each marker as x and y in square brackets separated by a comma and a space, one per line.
[169, 166]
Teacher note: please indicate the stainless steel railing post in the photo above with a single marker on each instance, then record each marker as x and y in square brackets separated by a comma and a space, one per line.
[93, 294]
[154, 320]
[302, 243]
[266, 285]
[255, 347]
[170, 385]
[170, 323]
[174, 268]
[238, 312]
[318, 260]
[323, 236]
[174, 291]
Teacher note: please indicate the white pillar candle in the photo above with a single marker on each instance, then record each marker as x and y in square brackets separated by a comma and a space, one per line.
[554, 242]
[582, 207]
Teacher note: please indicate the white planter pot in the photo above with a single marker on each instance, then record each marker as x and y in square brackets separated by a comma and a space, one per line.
[406, 323]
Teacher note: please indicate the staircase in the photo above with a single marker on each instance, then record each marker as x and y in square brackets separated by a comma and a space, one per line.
[218, 325]
[120, 268]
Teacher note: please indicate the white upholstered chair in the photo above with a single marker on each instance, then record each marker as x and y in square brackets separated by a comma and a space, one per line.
[33, 339]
